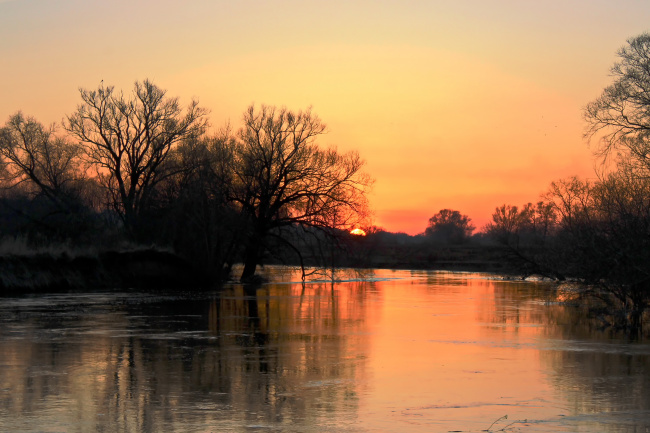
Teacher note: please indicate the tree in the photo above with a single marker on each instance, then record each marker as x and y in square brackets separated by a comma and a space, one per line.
[449, 226]
[542, 219]
[33, 154]
[47, 194]
[603, 240]
[128, 140]
[526, 226]
[527, 233]
[505, 225]
[572, 200]
[284, 179]
[203, 225]
[620, 117]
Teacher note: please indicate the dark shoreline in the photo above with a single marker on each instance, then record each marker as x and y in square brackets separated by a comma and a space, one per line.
[139, 269]
[153, 269]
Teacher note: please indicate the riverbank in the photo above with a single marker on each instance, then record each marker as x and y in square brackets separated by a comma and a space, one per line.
[151, 268]
[138, 268]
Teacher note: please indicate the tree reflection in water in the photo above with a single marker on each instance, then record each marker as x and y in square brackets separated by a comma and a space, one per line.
[599, 371]
[276, 355]
[424, 352]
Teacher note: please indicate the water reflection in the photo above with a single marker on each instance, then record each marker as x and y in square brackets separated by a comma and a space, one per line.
[602, 376]
[279, 354]
[400, 351]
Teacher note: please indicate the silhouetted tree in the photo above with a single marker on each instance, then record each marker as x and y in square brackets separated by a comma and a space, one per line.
[205, 226]
[604, 240]
[449, 226]
[572, 199]
[283, 178]
[620, 117]
[34, 155]
[528, 233]
[539, 220]
[128, 139]
[596, 232]
[526, 226]
[505, 225]
[614, 230]
[46, 194]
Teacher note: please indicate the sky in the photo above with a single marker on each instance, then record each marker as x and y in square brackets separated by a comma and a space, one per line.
[456, 104]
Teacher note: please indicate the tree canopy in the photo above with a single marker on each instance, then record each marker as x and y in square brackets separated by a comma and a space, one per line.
[620, 117]
[33, 153]
[283, 178]
[449, 226]
[128, 138]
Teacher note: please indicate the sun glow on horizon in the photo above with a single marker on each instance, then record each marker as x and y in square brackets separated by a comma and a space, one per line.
[357, 232]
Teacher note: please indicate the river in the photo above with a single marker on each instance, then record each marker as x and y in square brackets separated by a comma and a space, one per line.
[378, 351]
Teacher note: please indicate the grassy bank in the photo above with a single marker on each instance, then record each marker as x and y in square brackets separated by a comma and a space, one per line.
[46, 271]
[60, 268]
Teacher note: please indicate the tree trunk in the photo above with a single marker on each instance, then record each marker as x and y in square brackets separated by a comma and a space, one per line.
[635, 323]
[251, 258]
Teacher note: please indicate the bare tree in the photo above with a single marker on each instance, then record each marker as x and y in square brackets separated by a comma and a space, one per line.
[206, 228]
[531, 223]
[620, 117]
[127, 139]
[602, 240]
[33, 154]
[282, 179]
[505, 224]
[572, 199]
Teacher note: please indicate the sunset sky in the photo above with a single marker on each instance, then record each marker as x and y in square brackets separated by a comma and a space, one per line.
[453, 104]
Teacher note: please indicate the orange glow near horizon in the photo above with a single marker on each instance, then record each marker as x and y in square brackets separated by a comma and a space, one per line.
[358, 232]
[460, 105]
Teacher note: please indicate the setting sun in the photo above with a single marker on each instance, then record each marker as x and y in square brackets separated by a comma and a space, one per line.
[357, 232]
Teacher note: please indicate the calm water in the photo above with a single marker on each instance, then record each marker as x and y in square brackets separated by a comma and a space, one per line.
[397, 352]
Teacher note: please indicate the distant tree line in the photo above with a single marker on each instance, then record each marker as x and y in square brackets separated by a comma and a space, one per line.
[141, 168]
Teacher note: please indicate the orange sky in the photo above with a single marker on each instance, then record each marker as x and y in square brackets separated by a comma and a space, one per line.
[453, 104]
